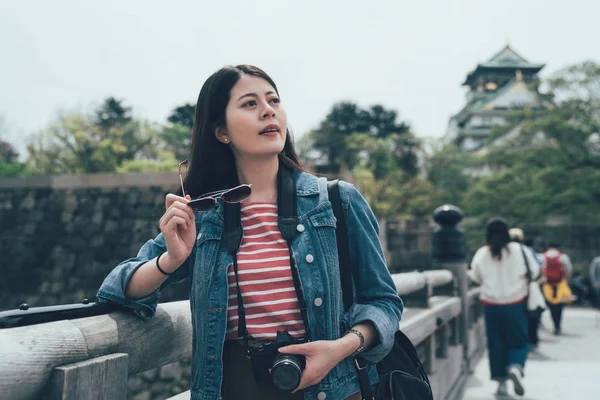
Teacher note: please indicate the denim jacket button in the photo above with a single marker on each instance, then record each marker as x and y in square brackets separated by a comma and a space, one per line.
[318, 302]
[309, 258]
[300, 228]
[322, 396]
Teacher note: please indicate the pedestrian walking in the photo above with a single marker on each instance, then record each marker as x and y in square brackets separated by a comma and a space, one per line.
[557, 268]
[501, 270]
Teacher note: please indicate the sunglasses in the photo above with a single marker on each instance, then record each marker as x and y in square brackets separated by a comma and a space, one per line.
[209, 200]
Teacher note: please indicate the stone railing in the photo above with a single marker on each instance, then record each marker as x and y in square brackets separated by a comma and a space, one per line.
[92, 357]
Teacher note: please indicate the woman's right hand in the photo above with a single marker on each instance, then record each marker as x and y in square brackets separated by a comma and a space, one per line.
[178, 226]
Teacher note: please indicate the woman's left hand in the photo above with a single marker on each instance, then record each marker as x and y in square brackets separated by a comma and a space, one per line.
[321, 357]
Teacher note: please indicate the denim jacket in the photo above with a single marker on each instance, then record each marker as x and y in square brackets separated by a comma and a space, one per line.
[376, 299]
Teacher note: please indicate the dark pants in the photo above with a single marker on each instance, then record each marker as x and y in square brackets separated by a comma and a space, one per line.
[507, 336]
[556, 312]
[595, 297]
[533, 323]
[238, 379]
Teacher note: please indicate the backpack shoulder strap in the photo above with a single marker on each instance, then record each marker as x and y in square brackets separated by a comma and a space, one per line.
[343, 248]
[528, 274]
[341, 236]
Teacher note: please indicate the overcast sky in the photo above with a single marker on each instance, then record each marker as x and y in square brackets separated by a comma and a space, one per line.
[411, 56]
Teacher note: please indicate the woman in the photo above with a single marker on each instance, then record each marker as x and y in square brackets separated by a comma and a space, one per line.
[557, 269]
[246, 287]
[499, 267]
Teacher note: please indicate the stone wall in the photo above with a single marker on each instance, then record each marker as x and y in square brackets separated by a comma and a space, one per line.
[160, 383]
[60, 236]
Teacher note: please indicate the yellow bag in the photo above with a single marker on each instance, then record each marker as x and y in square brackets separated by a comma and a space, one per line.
[559, 293]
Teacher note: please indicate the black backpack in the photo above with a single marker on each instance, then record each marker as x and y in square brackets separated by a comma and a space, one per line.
[401, 374]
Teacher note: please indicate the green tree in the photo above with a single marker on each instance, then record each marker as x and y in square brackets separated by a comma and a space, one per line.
[391, 189]
[333, 141]
[381, 153]
[305, 147]
[12, 169]
[183, 115]
[77, 145]
[112, 113]
[177, 139]
[177, 134]
[448, 171]
[164, 161]
[397, 194]
[7, 152]
[9, 157]
[102, 142]
[9, 164]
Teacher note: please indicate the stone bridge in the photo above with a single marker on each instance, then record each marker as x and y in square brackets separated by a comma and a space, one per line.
[84, 351]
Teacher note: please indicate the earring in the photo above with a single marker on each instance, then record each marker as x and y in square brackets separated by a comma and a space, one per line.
[226, 140]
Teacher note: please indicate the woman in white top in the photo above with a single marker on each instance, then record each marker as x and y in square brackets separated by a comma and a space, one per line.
[499, 267]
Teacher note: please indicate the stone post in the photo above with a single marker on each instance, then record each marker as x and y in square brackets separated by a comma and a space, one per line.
[449, 252]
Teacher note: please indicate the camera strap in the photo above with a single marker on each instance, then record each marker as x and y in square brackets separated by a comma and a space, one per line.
[287, 222]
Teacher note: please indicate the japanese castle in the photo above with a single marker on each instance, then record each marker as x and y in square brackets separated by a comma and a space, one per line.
[504, 83]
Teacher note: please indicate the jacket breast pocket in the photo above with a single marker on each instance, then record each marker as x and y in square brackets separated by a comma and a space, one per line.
[207, 247]
[324, 223]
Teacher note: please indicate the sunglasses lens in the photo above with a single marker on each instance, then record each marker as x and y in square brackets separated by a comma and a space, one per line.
[237, 194]
[203, 204]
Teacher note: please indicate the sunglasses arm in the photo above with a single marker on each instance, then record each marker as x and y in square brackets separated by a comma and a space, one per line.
[182, 189]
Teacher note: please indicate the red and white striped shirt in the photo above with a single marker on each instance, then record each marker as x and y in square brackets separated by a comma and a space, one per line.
[265, 276]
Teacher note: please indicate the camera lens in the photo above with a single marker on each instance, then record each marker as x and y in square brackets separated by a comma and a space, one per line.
[286, 372]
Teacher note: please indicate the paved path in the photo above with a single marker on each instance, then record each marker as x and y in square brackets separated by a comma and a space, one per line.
[565, 367]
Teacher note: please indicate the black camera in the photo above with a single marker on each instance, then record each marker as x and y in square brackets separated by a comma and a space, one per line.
[270, 367]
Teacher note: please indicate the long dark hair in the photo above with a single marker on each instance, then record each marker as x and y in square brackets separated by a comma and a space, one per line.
[497, 236]
[212, 163]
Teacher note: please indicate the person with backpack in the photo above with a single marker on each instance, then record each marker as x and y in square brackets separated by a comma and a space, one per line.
[500, 267]
[557, 268]
[255, 235]
[533, 320]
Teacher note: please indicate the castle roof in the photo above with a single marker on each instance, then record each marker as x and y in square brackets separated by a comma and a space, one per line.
[507, 61]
